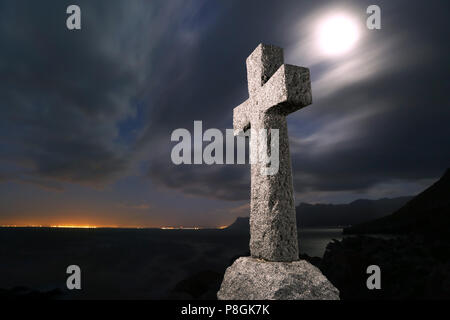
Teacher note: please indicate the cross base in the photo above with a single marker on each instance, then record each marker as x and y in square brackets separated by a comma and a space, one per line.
[254, 279]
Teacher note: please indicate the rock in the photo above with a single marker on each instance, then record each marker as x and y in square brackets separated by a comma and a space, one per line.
[200, 286]
[240, 225]
[254, 279]
[427, 214]
[411, 267]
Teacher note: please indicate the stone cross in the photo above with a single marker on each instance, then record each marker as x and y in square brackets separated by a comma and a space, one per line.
[275, 90]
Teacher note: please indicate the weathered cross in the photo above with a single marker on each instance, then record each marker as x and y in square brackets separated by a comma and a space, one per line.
[275, 90]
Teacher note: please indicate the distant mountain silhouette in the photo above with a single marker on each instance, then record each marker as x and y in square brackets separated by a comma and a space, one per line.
[335, 215]
[241, 224]
[427, 213]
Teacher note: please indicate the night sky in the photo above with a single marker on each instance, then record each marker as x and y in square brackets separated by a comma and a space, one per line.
[86, 116]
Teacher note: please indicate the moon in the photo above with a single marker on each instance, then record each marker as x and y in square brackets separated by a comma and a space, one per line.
[337, 34]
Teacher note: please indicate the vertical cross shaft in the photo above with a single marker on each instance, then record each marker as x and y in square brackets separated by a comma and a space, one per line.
[275, 90]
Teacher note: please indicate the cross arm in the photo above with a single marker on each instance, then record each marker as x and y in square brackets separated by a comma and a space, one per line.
[241, 121]
[288, 90]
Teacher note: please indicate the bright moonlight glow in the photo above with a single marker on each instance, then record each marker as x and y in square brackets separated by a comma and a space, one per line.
[337, 35]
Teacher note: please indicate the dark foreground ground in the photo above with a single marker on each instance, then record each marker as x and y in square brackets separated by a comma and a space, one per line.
[411, 268]
[189, 264]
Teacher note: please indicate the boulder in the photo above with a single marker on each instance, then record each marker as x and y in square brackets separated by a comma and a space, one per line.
[254, 279]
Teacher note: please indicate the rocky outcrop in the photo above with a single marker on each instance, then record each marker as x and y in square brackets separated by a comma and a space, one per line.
[411, 267]
[200, 286]
[427, 214]
[240, 225]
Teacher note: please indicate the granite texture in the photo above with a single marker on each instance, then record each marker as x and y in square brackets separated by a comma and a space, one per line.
[275, 90]
[255, 279]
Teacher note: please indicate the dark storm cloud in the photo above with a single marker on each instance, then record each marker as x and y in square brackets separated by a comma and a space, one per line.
[217, 181]
[391, 125]
[66, 96]
[87, 106]
[204, 81]
[407, 139]
[378, 117]
[60, 97]
[200, 72]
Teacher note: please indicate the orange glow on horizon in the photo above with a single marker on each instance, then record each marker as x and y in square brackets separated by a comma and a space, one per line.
[69, 226]
[74, 227]
[87, 226]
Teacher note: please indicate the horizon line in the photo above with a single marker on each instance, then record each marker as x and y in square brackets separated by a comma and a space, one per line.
[113, 227]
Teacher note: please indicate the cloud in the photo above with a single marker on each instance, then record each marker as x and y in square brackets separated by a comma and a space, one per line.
[67, 96]
[379, 114]
[141, 206]
[223, 182]
[90, 106]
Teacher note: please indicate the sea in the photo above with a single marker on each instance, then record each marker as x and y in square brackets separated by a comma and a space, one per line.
[126, 263]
